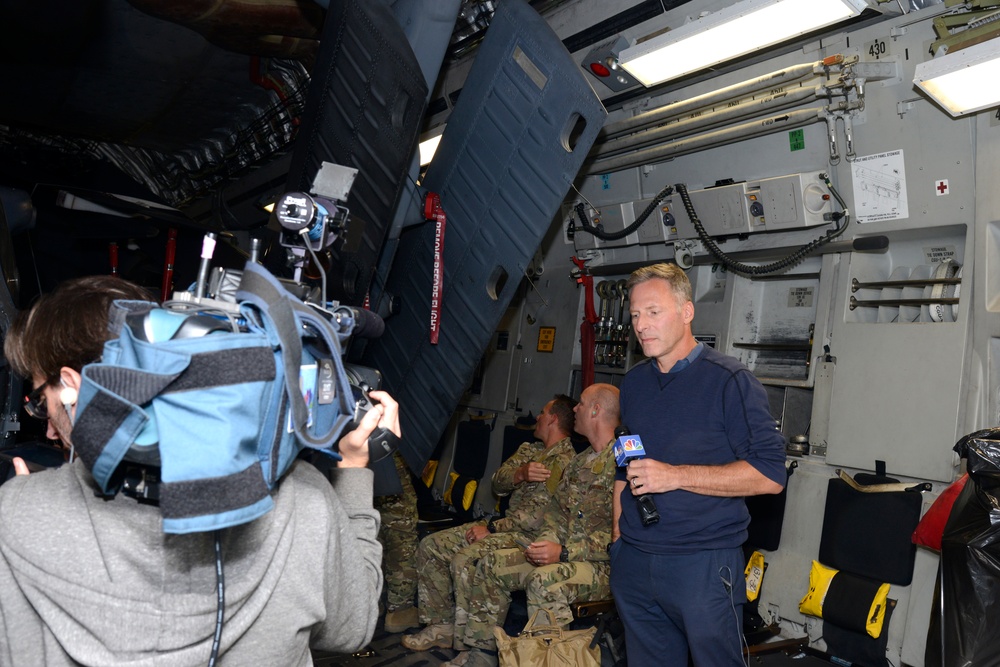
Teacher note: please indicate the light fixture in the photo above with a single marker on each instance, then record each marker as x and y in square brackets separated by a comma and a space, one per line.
[602, 62]
[960, 80]
[729, 33]
[428, 146]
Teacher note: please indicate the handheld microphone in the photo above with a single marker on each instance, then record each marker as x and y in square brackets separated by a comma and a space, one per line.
[629, 448]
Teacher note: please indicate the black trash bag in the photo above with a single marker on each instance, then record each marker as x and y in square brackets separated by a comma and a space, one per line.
[970, 563]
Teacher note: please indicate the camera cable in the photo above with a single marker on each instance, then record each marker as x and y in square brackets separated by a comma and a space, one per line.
[319, 267]
[221, 593]
[598, 229]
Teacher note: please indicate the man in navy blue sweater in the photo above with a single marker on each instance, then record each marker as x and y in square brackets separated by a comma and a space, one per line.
[710, 440]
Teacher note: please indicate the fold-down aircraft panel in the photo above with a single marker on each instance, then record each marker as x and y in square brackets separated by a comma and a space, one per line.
[521, 129]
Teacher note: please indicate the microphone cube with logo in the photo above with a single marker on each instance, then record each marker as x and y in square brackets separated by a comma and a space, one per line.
[629, 448]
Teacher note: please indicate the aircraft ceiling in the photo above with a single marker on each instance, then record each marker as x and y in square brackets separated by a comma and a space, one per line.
[180, 96]
[195, 104]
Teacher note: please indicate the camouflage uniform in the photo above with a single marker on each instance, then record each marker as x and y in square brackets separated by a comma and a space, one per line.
[445, 561]
[398, 536]
[579, 518]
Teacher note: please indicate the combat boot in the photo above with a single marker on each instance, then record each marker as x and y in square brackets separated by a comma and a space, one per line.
[439, 635]
[401, 619]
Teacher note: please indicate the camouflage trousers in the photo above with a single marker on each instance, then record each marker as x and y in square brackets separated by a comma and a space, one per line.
[398, 535]
[446, 564]
[552, 587]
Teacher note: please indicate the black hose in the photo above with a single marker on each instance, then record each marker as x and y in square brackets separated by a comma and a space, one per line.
[781, 264]
[598, 230]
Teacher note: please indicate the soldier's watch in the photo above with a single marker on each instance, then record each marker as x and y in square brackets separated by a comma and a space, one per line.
[564, 555]
[490, 526]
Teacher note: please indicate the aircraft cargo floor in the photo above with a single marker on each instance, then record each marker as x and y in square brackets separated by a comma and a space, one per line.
[385, 650]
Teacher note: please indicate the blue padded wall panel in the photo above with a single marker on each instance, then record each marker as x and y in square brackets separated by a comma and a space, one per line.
[502, 170]
[365, 106]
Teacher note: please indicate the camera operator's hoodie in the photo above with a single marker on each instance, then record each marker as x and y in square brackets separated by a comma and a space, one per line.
[90, 581]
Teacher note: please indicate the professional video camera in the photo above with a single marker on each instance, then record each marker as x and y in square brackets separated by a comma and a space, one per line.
[218, 390]
[309, 223]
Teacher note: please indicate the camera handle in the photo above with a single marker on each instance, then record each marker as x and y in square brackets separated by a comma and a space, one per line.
[381, 443]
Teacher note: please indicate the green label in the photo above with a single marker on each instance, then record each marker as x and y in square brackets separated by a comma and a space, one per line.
[796, 140]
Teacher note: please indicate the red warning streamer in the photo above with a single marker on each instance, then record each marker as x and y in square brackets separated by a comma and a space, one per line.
[170, 254]
[587, 342]
[433, 211]
[113, 257]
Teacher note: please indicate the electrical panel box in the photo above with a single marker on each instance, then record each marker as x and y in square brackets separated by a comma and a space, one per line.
[612, 218]
[793, 202]
[781, 203]
[659, 227]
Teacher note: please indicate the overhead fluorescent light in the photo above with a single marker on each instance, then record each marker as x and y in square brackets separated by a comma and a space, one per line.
[959, 81]
[729, 33]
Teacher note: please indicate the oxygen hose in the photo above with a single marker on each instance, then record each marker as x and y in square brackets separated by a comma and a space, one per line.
[784, 263]
[598, 231]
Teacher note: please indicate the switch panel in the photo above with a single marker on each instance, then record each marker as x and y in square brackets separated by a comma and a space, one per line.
[782, 203]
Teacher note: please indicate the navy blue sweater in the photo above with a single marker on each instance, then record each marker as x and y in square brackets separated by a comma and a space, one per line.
[711, 412]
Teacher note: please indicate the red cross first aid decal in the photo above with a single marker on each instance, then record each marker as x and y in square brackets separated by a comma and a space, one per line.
[941, 187]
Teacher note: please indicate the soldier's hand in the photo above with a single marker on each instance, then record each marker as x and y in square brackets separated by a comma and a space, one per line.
[476, 533]
[536, 472]
[542, 552]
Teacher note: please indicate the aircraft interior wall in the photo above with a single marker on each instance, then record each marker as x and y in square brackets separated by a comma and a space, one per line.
[858, 371]
[841, 230]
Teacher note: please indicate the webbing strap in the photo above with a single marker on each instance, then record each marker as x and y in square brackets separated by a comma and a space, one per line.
[218, 368]
[199, 497]
[103, 433]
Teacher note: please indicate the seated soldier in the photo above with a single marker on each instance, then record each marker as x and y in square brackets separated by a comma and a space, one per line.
[569, 562]
[398, 536]
[530, 476]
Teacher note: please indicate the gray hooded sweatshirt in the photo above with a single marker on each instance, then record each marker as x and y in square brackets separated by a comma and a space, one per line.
[90, 581]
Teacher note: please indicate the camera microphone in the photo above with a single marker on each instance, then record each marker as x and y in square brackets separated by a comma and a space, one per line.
[629, 448]
[366, 323]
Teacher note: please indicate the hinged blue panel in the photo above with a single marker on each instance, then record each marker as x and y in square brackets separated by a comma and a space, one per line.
[522, 127]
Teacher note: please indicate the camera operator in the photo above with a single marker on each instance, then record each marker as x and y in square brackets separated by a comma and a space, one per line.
[95, 581]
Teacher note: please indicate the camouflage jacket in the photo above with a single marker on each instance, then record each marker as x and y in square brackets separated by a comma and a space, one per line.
[528, 500]
[579, 517]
